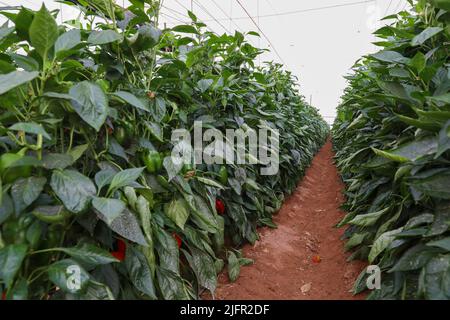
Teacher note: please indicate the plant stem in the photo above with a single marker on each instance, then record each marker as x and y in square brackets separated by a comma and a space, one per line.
[71, 139]
[45, 250]
[39, 146]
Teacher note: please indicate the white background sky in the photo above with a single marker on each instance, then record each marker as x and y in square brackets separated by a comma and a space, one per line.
[319, 40]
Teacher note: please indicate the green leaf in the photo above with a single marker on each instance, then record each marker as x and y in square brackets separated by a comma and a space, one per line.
[25, 191]
[201, 213]
[425, 125]
[127, 226]
[210, 182]
[11, 258]
[78, 151]
[143, 208]
[43, 31]
[442, 4]
[30, 127]
[139, 272]
[5, 31]
[204, 84]
[234, 267]
[425, 35]
[360, 284]
[50, 214]
[68, 275]
[382, 243]
[6, 207]
[442, 243]
[68, 40]
[444, 140]
[445, 98]
[73, 189]
[14, 79]
[148, 37]
[104, 37]
[396, 90]
[90, 102]
[218, 239]
[132, 100]
[178, 211]
[425, 218]
[419, 62]
[97, 291]
[414, 258]
[441, 220]
[435, 278]
[182, 184]
[56, 161]
[168, 252]
[390, 56]
[435, 282]
[125, 178]
[185, 29]
[439, 117]
[399, 72]
[268, 222]
[107, 274]
[219, 264]
[24, 162]
[57, 95]
[236, 185]
[192, 16]
[116, 149]
[110, 208]
[355, 240]
[158, 109]
[172, 168]
[171, 285]
[436, 186]
[204, 268]
[252, 184]
[104, 177]
[368, 219]
[246, 261]
[89, 254]
[253, 33]
[25, 62]
[19, 291]
[411, 151]
[23, 22]
[156, 130]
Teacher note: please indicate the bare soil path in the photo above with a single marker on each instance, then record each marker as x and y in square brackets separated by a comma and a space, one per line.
[287, 258]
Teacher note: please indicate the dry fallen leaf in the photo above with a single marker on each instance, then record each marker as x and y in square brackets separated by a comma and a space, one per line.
[306, 287]
[312, 245]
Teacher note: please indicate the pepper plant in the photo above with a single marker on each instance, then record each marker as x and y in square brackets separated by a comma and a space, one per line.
[392, 139]
[92, 205]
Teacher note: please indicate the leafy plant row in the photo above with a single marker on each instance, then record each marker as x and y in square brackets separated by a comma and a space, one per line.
[392, 137]
[92, 206]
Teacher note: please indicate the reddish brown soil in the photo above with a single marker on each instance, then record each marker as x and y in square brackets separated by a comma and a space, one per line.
[284, 266]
